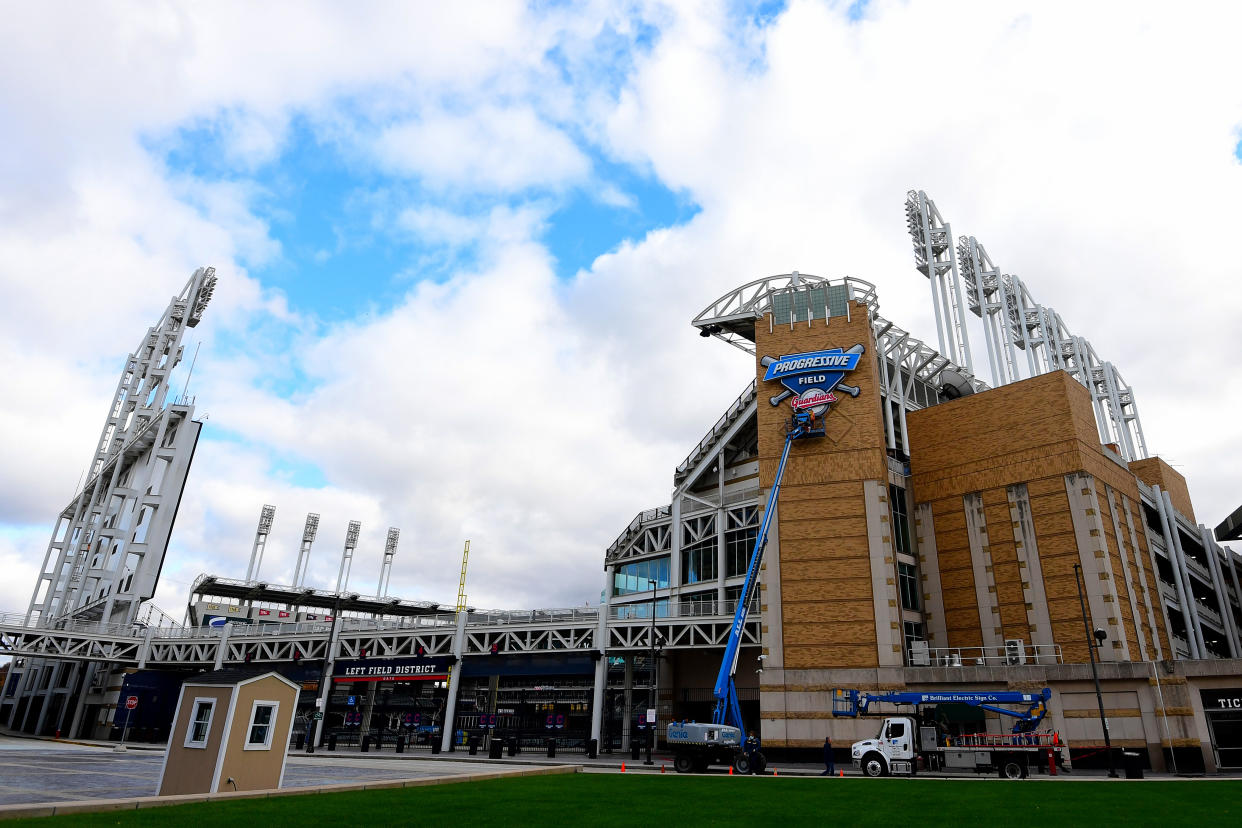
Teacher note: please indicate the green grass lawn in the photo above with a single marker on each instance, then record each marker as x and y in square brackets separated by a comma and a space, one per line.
[670, 801]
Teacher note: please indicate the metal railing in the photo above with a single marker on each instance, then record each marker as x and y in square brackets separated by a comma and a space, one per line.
[992, 740]
[1005, 655]
[679, 609]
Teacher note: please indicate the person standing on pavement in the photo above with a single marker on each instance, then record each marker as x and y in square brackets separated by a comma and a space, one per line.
[751, 747]
[830, 768]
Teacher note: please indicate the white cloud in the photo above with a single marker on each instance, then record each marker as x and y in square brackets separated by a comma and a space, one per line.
[1091, 152]
[492, 148]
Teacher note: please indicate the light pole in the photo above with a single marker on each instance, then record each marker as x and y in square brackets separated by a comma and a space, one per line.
[655, 675]
[1100, 635]
[325, 676]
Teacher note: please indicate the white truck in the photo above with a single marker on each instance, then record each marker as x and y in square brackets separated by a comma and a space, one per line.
[905, 746]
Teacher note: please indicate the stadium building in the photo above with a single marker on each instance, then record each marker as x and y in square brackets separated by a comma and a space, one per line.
[945, 533]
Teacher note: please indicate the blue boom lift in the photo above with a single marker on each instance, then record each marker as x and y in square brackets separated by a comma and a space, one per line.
[696, 746]
[853, 703]
[727, 711]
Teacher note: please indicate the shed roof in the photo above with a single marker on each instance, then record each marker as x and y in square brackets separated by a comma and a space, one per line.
[237, 676]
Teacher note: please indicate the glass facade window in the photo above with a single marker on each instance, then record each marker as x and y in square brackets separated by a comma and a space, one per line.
[701, 603]
[698, 561]
[734, 594]
[908, 577]
[738, 545]
[642, 610]
[914, 632]
[637, 576]
[901, 521]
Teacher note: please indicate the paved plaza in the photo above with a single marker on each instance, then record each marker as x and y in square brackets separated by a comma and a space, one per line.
[39, 771]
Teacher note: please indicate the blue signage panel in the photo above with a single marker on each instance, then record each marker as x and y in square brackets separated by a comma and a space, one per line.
[812, 379]
[393, 669]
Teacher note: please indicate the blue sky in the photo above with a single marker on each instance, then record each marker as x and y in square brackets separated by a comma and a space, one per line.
[332, 217]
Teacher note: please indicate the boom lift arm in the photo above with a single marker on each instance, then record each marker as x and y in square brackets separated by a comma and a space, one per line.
[727, 711]
[852, 703]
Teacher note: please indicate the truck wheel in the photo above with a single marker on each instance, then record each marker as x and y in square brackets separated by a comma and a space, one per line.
[683, 763]
[873, 765]
[741, 764]
[1011, 769]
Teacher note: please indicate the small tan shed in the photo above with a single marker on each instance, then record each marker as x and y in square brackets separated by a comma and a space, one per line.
[230, 732]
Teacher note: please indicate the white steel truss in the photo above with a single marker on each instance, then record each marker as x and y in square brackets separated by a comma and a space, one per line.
[1013, 321]
[390, 550]
[260, 541]
[935, 258]
[533, 631]
[108, 545]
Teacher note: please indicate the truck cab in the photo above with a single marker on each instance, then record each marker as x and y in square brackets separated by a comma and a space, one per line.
[891, 751]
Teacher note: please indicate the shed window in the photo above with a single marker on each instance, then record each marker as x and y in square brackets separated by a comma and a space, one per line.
[200, 723]
[262, 723]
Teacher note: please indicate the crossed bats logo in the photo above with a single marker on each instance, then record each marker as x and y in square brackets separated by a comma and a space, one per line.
[812, 378]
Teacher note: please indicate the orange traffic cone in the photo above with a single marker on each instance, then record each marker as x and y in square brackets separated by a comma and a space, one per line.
[839, 773]
[661, 767]
[623, 767]
[775, 772]
[730, 770]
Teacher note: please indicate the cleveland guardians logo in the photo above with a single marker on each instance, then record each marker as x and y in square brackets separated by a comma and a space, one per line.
[812, 378]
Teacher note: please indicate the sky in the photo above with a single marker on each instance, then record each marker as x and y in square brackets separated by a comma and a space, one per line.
[459, 245]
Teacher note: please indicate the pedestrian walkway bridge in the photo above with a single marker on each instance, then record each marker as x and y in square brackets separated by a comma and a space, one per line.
[577, 630]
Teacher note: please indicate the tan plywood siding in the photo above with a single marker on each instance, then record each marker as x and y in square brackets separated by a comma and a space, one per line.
[189, 770]
[254, 770]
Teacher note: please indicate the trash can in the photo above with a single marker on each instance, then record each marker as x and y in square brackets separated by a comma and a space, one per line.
[299, 742]
[400, 744]
[331, 741]
[366, 743]
[474, 744]
[495, 749]
[1133, 761]
[592, 748]
[551, 748]
[513, 746]
[636, 746]
[435, 744]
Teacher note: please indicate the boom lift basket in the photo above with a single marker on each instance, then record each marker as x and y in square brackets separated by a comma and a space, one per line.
[845, 703]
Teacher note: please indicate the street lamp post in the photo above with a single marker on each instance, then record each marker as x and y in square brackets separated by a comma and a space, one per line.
[1091, 645]
[655, 676]
[325, 677]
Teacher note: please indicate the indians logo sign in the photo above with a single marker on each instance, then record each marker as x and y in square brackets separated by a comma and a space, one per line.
[812, 379]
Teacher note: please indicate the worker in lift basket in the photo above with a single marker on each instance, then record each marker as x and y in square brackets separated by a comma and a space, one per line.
[750, 747]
